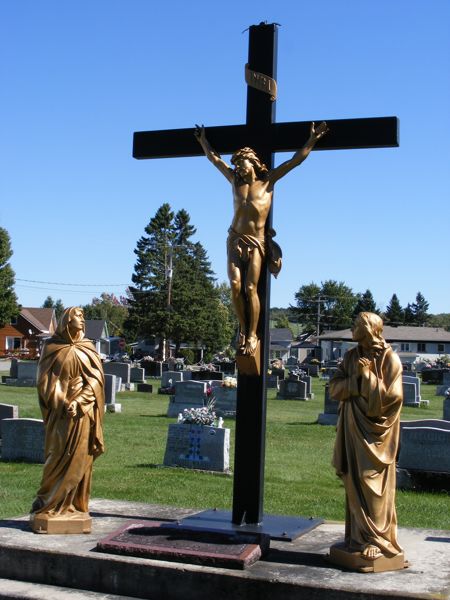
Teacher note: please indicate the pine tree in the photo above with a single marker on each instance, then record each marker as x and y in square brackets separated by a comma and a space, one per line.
[58, 306]
[420, 310]
[409, 315]
[8, 299]
[174, 294]
[365, 303]
[394, 315]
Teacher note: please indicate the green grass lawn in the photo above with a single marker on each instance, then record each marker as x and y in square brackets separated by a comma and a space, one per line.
[299, 477]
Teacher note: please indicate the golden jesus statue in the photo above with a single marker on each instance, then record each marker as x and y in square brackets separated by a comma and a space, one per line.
[248, 243]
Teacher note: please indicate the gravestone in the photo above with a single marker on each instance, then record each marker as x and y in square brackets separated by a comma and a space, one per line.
[206, 375]
[312, 370]
[188, 394]
[118, 383]
[446, 407]
[226, 366]
[22, 373]
[272, 382]
[169, 378]
[328, 372]
[330, 411]
[8, 411]
[410, 394]
[308, 380]
[425, 448]
[137, 375]
[119, 369]
[152, 368]
[198, 447]
[145, 387]
[224, 401]
[292, 390]
[278, 373]
[187, 375]
[441, 390]
[23, 439]
[13, 368]
[110, 389]
[416, 381]
[435, 376]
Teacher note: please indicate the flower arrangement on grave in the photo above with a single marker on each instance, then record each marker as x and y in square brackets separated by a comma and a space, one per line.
[200, 416]
[230, 382]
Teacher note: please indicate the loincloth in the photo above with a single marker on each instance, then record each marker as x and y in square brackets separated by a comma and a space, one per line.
[240, 247]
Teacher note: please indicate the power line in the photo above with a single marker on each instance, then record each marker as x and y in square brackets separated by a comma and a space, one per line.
[97, 285]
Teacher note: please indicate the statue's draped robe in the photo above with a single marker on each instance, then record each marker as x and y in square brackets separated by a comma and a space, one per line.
[366, 448]
[69, 370]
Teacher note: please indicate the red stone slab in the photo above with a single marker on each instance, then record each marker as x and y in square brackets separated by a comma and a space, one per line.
[177, 543]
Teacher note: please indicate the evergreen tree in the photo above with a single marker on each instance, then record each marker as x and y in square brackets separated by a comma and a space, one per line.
[8, 299]
[394, 315]
[174, 294]
[365, 303]
[409, 315]
[420, 310]
[58, 306]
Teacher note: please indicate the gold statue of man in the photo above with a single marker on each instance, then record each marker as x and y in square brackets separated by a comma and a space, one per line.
[248, 243]
[368, 385]
[71, 398]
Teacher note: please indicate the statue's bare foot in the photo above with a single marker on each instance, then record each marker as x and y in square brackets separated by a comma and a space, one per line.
[371, 552]
[241, 342]
[251, 344]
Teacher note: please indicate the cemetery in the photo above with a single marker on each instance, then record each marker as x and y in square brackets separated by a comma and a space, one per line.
[238, 480]
[138, 478]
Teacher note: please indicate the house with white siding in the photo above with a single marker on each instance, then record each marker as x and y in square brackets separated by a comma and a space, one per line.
[413, 344]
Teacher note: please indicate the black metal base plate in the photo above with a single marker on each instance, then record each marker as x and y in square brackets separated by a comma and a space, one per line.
[279, 527]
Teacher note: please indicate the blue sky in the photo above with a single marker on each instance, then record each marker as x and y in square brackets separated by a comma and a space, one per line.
[79, 77]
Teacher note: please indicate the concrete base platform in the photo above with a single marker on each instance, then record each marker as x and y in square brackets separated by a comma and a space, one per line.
[291, 570]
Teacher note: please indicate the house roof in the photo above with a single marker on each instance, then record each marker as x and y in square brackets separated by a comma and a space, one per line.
[41, 318]
[276, 347]
[281, 334]
[95, 328]
[397, 334]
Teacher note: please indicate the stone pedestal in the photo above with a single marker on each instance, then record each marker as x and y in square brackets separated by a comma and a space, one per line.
[341, 556]
[65, 524]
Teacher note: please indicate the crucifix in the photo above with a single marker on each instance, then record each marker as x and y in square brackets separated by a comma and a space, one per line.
[265, 137]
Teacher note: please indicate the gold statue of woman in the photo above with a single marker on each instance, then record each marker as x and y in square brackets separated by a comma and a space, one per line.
[248, 244]
[71, 398]
[368, 385]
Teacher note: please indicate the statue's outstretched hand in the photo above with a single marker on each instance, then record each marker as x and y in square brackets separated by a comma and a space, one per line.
[200, 133]
[318, 132]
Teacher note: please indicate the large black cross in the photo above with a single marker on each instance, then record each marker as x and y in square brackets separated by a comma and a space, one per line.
[266, 137]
